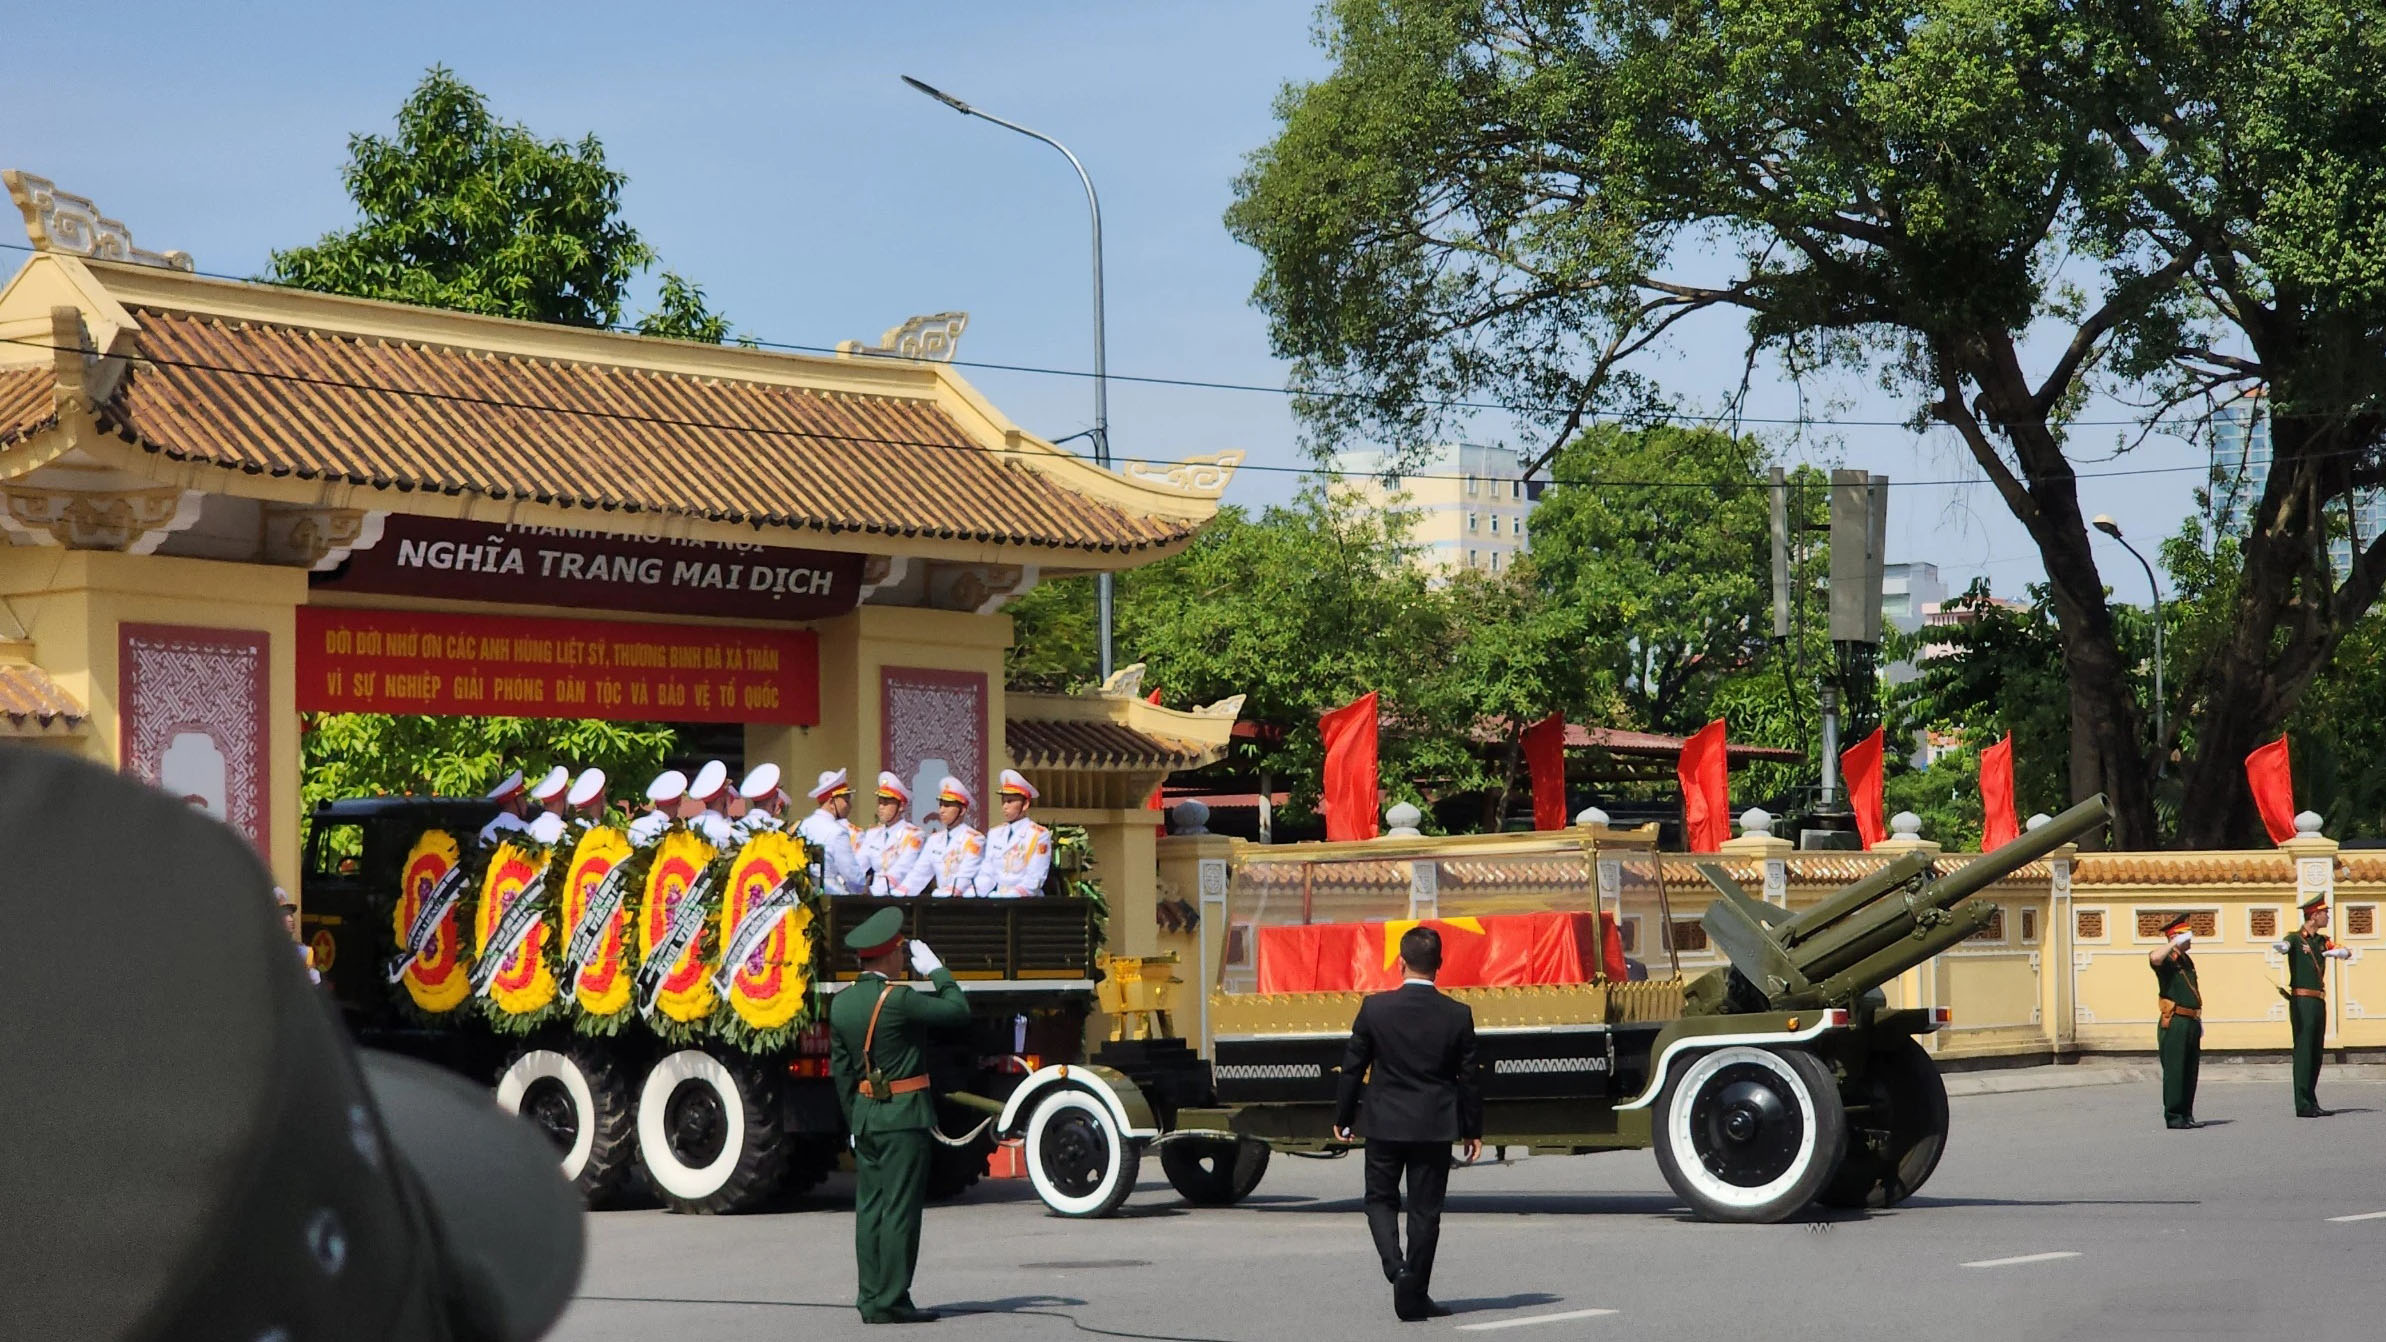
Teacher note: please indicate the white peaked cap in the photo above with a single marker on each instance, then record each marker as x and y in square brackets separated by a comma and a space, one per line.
[889, 785]
[1013, 782]
[669, 785]
[830, 781]
[949, 788]
[760, 783]
[507, 790]
[547, 828]
[710, 780]
[589, 786]
[552, 786]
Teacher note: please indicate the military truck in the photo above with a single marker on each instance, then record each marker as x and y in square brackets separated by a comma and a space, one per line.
[1783, 1079]
[704, 1115]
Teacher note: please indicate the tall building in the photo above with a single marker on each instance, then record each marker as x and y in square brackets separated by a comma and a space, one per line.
[1470, 502]
[1908, 593]
[2241, 469]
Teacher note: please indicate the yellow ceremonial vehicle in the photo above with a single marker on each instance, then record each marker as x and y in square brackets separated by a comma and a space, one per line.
[1782, 1079]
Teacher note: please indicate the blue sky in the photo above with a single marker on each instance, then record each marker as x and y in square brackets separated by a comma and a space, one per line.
[775, 158]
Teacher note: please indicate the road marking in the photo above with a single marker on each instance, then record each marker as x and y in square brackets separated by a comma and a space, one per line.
[2020, 1259]
[2365, 1216]
[1533, 1318]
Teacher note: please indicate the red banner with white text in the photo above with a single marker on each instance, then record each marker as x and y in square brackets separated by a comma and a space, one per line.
[1505, 950]
[389, 661]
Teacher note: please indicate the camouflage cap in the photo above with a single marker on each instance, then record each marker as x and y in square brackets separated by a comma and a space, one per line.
[877, 933]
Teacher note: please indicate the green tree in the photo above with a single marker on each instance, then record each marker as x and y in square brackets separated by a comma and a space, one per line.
[1659, 544]
[1996, 668]
[460, 210]
[367, 754]
[1997, 207]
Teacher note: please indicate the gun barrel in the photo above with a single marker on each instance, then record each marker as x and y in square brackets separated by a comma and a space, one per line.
[1806, 923]
[1979, 873]
[1898, 957]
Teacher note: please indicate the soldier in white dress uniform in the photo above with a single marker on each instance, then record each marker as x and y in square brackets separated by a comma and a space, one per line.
[950, 855]
[708, 792]
[662, 801]
[509, 795]
[586, 800]
[1018, 851]
[549, 791]
[829, 831]
[758, 803]
[891, 848]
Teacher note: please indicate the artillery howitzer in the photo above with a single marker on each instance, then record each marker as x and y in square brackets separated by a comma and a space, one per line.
[1781, 1078]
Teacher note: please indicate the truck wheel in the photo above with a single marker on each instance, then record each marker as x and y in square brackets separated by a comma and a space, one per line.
[1078, 1160]
[1750, 1134]
[1211, 1172]
[708, 1134]
[1897, 1130]
[581, 1100]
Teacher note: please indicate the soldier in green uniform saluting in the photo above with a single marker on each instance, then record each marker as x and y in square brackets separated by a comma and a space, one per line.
[876, 1031]
[2179, 1032]
[2308, 951]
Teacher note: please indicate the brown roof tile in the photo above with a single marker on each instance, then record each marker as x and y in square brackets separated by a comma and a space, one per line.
[1095, 745]
[25, 404]
[30, 699]
[287, 401]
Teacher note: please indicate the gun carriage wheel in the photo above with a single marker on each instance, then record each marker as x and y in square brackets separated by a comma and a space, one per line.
[1897, 1117]
[1750, 1134]
[1214, 1171]
[581, 1100]
[708, 1133]
[1079, 1160]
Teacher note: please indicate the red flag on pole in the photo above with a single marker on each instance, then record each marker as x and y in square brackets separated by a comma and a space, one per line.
[1545, 758]
[1706, 790]
[1860, 765]
[1998, 826]
[1350, 781]
[2273, 787]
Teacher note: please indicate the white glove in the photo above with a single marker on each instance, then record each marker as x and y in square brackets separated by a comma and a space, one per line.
[2182, 941]
[923, 960]
[2337, 953]
[2282, 947]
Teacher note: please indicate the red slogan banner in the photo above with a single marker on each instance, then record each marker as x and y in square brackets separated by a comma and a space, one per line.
[388, 661]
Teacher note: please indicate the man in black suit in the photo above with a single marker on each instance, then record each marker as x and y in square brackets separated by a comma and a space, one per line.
[1420, 1099]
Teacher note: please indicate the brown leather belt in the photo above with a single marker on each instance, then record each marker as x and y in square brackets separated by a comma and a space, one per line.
[904, 1086]
[2171, 1008]
[2309, 992]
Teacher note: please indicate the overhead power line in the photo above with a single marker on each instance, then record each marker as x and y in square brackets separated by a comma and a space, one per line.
[1678, 417]
[679, 422]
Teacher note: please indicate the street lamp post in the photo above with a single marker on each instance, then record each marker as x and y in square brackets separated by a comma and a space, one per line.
[1101, 434]
[2112, 528]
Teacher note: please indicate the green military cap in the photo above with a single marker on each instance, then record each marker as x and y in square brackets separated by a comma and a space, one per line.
[877, 934]
[2318, 898]
[2175, 922]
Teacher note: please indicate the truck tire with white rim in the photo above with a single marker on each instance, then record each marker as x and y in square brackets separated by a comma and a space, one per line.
[1750, 1134]
[1079, 1160]
[708, 1133]
[581, 1099]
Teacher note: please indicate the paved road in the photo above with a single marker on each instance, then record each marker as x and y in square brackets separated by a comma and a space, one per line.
[2228, 1232]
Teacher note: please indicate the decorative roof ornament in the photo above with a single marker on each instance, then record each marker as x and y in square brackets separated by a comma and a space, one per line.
[934, 337]
[1203, 476]
[61, 221]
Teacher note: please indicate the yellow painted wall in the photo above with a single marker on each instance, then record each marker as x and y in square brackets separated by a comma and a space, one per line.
[854, 650]
[71, 603]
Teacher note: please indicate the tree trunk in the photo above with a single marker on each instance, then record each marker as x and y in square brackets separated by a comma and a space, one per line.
[2106, 751]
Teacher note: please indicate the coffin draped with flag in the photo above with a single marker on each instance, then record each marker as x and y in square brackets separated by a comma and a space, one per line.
[1502, 950]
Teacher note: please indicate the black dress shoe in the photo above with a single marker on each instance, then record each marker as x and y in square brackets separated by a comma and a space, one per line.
[1408, 1302]
[903, 1314]
[2191, 1123]
[2315, 1113]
